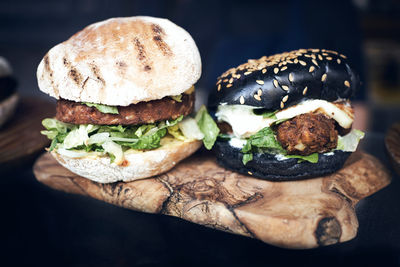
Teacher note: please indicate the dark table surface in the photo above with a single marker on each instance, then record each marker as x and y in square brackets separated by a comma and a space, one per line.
[44, 227]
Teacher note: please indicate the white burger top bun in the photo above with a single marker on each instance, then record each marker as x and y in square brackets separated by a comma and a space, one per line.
[121, 61]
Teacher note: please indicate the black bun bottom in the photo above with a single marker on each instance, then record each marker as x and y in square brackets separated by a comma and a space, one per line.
[266, 166]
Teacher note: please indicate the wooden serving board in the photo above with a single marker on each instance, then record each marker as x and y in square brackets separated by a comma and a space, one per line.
[298, 214]
[20, 137]
[392, 142]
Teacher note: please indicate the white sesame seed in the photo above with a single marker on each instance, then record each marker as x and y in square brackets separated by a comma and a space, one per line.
[285, 87]
[320, 57]
[276, 84]
[260, 81]
[347, 83]
[225, 80]
[311, 69]
[249, 172]
[247, 72]
[228, 85]
[338, 61]
[324, 77]
[257, 97]
[264, 71]
[296, 61]
[302, 62]
[291, 77]
[343, 56]
[283, 68]
[282, 105]
[285, 98]
[219, 87]
[305, 90]
[329, 58]
[259, 92]
[241, 100]
[315, 62]
[230, 80]
[276, 70]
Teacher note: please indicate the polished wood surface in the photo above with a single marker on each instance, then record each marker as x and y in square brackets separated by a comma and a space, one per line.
[20, 137]
[299, 214]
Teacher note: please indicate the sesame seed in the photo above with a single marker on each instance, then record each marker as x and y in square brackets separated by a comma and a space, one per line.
[347, 83]
[282, 105]
[219, 87]
[260, 81]
[283, 68]
[302, 62]
[311, 69]
[241, 100]
[219, 81]
[230, 80]
[296, 61]
[276, 84]
[257, 97]
[276, 70]
[249, 172]
[247, 72]
[325, 54]
[228, 85]
[285, 87]
[324, 77]
[305, 90]
[315, 62]
[329, 58]
[264, 71]
[343, 56]
[291, 77]
[285, 98]
[313, 56]
[225, 80]
[259, 92]
[338, 61]
[320, 57]
[307, 55]
[238, 76]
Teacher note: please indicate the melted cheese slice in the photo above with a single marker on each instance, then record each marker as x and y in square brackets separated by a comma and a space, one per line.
[245, 123]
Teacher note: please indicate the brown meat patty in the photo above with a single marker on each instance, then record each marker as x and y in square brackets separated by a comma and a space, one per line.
[140, 113]
[307, 134]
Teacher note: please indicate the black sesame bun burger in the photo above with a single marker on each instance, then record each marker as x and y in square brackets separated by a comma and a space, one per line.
[286, 116]
[8, 92]
[124, 90]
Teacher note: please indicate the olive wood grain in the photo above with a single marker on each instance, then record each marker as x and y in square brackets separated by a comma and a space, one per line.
[392, 143]
[20, 138]
[295, 214]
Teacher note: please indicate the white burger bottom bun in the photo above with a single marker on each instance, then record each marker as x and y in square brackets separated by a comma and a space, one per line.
[137, 165]
[7, 107]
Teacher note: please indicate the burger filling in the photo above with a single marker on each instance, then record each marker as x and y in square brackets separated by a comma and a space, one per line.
[300, 131]
[87, 129]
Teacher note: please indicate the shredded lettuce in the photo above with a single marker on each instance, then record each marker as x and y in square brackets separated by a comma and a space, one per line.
[313, 158]
[177, 98]
[262, 141]
[350, 141]
[190, 129]
[207, 126]
[265, 113]
[103, 108]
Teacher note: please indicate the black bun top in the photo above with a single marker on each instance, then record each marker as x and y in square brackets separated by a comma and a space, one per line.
[282, 80]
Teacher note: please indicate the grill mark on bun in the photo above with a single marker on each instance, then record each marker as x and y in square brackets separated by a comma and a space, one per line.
[142, 55]
[49, 72]
[158, 40]
[96, 73]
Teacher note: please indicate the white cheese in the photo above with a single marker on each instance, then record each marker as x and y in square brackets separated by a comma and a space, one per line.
[237, 142]
[245, 123]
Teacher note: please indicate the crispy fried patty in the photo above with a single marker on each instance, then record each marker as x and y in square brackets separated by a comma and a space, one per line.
[140, 113]
[308, 133]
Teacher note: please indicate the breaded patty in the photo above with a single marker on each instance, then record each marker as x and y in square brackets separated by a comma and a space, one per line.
[140, 113]
[308, 133]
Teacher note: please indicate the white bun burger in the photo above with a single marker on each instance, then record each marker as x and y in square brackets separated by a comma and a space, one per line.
[124, 90]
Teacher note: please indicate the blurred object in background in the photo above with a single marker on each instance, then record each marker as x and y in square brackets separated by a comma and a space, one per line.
[380, 20]
[8, 93]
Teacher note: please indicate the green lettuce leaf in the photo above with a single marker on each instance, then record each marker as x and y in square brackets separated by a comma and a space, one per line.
[262, 141]
[313, 158]
[350, 141]
[177, 98]
[207, 126]
[103, 108]
[265, 113]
